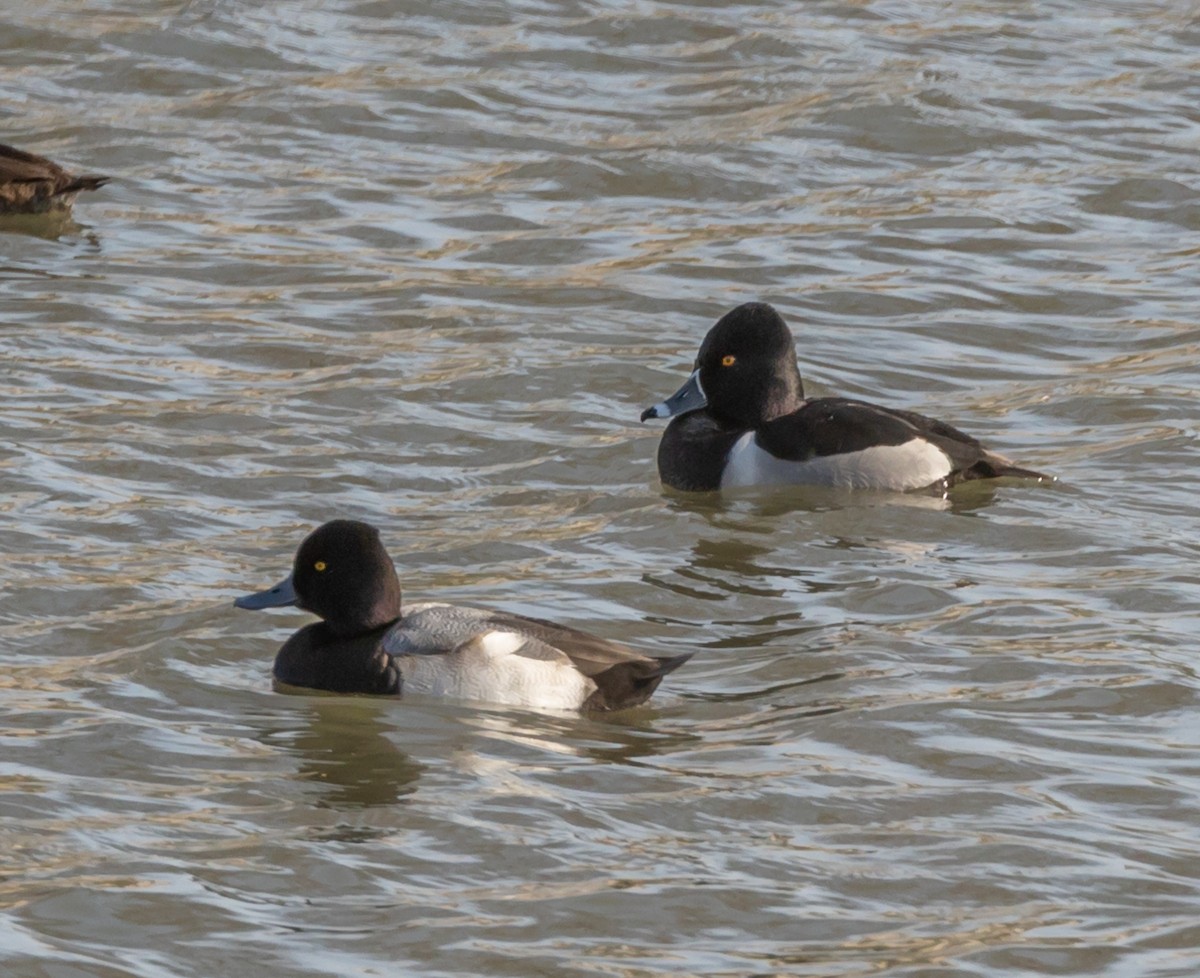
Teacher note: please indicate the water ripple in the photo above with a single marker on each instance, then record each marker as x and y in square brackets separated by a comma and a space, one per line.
[424, 266]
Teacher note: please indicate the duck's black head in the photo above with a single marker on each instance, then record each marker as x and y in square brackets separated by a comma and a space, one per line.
[343, 574]
[747, 367]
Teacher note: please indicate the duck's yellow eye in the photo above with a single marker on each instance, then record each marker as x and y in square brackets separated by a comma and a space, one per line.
[319, 566]
[728, 360]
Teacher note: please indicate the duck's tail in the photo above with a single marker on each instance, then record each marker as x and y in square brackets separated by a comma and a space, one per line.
[630, 683]
[993, 466]
[89, 181]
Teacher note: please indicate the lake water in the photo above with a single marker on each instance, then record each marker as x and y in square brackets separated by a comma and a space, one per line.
[424, 264]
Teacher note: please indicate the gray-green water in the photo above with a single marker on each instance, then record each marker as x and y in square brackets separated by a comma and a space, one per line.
[423, 264]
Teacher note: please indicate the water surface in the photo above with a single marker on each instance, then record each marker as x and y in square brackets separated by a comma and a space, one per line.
[423, 264]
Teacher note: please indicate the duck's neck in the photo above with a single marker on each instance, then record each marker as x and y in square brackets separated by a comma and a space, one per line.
[368, 611]
[784, 394]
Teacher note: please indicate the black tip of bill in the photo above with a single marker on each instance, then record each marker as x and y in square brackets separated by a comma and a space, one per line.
[689, 397]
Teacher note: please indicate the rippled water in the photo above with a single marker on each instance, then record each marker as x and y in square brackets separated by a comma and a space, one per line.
[423, 264]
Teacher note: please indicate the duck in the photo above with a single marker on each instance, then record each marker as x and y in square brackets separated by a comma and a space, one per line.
[741, 419]
[365, 643]
[32, 184]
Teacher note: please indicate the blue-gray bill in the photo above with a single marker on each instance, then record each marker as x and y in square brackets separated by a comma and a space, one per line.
[279, 596]
[689, 397]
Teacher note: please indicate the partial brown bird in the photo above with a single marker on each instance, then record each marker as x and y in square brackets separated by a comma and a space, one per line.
[32, 184]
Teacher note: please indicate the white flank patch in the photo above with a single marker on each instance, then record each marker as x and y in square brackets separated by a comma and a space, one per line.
[486, 668]
[913, 465]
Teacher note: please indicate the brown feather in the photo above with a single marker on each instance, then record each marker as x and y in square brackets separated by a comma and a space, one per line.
[31, 184]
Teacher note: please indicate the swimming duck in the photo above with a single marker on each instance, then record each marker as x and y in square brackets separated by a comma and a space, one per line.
[741, 419]
[32, 184]
[364, 644]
